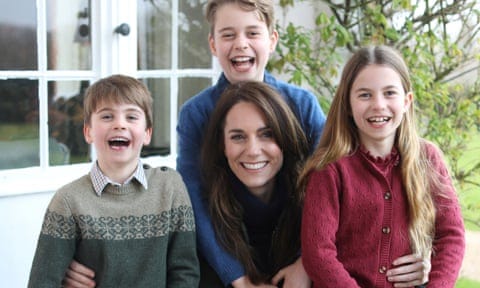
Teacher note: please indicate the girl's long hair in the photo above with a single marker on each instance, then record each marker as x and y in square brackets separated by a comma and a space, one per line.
[225, 210]
[340, 138]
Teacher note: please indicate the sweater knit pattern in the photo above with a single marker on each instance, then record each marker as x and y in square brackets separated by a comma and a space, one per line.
[123, 228]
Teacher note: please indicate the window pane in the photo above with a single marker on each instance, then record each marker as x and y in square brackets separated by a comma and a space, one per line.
[193, 50]
[68, 24]
[160, 144]
[18, 35]
[154, 35]
[65, 119]
[19, 130]
[189, 87]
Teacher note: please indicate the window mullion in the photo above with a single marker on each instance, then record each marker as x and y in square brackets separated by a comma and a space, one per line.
[174, 80]
[42, 82]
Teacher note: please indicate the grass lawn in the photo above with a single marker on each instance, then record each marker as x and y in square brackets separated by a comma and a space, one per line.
[467, 283]
[469, 194]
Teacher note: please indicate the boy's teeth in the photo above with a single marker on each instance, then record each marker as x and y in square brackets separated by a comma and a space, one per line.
[241, 59]
[118, 142]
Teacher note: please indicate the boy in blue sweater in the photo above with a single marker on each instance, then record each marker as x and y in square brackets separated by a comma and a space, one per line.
[242, 36]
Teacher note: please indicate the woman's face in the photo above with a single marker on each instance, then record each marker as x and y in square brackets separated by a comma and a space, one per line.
[251, 150]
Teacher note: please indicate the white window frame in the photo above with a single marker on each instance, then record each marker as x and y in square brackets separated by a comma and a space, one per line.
[108, 57]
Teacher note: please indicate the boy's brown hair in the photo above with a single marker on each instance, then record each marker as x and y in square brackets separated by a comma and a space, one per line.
[118, 89]
[263, 8]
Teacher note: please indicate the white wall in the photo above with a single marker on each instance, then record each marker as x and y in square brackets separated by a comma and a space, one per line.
[20, 225]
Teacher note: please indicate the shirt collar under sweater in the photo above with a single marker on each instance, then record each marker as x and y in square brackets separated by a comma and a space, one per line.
[100, 180]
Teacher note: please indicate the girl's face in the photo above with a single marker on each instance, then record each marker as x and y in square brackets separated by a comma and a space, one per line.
[250, 149]
[118, 132]
[378, 102]
[242, 43]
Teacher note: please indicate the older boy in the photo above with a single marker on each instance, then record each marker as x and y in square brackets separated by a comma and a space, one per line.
[241, 37]
[130, 223]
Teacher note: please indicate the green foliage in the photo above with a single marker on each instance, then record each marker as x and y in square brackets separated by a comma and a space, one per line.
[440, 43]
[466, 283]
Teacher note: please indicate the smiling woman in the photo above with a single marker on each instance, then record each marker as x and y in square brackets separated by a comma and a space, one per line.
[250, 167]
[252, 153]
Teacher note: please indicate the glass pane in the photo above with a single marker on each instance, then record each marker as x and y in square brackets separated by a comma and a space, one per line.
[189, 87]
[19, 129]
[18, 35]
[193, 50]
[68, 44]
[154, 34]
[65, 122]
[160, 144]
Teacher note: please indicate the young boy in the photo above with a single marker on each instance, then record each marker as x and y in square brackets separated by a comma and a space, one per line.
[130, 223]
[242, 36]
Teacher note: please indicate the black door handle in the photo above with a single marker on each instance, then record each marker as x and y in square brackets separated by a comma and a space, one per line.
[123, 29]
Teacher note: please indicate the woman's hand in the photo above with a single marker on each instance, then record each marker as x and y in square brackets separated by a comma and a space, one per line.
[244, 282]
[410, 270]
[293, 276]
[78, 276]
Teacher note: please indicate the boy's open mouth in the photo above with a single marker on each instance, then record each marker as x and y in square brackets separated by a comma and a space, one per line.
[242, 60]
[118, 142]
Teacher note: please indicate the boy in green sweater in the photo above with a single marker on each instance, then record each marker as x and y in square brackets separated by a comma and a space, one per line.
[130, 223]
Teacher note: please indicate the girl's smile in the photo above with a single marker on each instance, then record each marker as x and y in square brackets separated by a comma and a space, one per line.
[378, 103]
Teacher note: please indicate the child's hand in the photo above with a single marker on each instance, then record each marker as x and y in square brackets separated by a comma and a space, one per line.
[293, 276]
[410, 270]
[78, 276]
[244, 282]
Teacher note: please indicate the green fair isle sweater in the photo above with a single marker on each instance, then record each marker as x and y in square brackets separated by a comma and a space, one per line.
[130, 237]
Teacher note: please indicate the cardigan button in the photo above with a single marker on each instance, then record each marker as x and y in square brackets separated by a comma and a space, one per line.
[386, 230]
[387, 196]
[382, 269]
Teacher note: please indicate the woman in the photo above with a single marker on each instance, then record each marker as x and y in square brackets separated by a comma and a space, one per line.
[253, 151]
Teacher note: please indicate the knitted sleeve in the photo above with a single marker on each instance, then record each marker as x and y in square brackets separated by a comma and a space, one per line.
[56, 245]
[183, 267]
[449, 241]
[319, 226]
[305, 106]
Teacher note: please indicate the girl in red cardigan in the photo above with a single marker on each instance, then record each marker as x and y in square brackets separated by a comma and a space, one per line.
[376, 194]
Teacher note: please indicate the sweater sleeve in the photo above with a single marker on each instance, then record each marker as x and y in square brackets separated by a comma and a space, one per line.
[313, 119]
[319, 226]
[55, 247]
[182, 267]
[449, 241]
[189, 130]
[305, 106]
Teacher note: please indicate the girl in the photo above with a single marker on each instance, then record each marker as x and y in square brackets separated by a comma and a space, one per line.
[376, 191]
